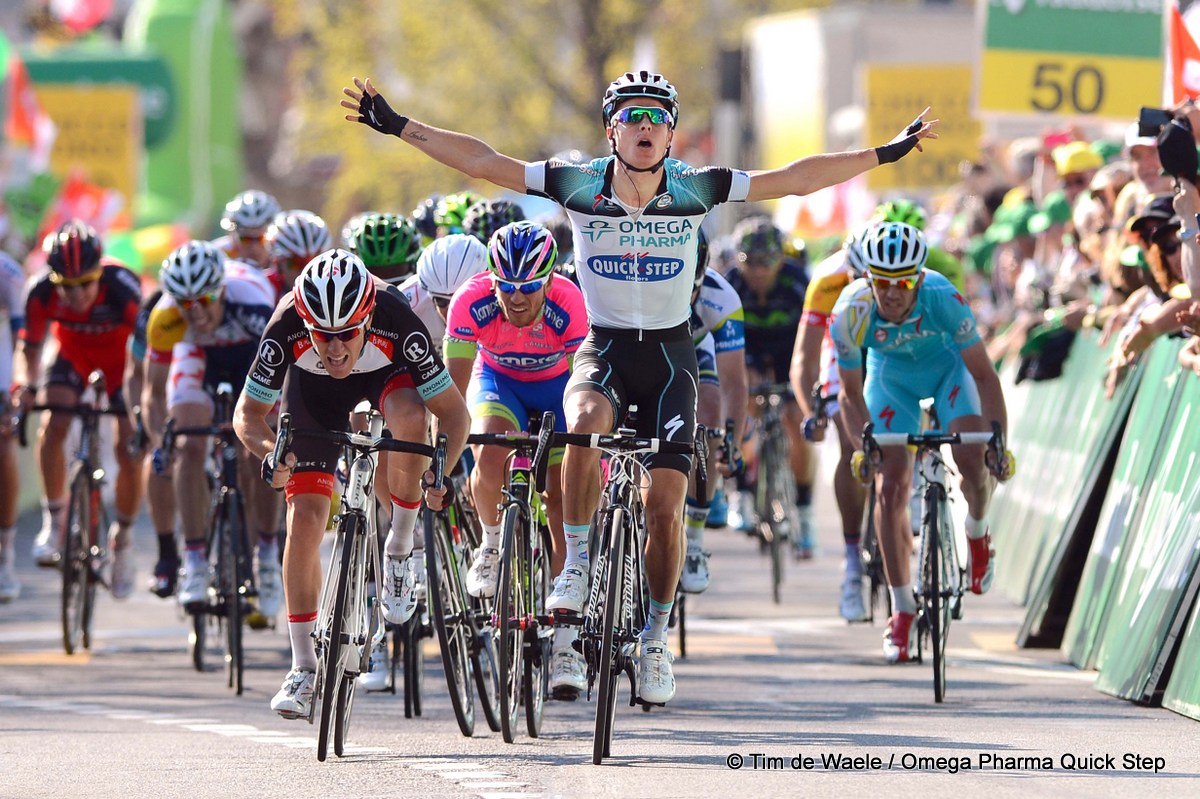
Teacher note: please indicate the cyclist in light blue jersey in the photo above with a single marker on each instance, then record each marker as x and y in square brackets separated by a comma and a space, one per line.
[635, 217]
[921, 342]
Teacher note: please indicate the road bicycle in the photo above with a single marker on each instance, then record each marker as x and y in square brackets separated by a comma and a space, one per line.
[348, 625]
[616, 608]
[878, 594]
[678, 621]
[231, 586]
[522, 631]
[461, 622]
[775, 488]
[85, 543]
[942, 577]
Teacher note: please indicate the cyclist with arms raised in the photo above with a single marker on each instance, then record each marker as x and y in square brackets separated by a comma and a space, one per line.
[339, 337]
[922, 342]
[635, 217]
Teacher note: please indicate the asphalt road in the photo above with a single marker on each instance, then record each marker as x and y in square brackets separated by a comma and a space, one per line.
[773, 700]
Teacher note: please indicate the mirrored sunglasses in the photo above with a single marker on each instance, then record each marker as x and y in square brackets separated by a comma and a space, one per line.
[528, 287]
[204, 300]
[326, 336]
[635, 115]
[903, 283]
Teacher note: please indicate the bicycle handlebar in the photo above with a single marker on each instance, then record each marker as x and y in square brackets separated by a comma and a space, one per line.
[994, 439]
[624, 443]
[537, 448]
[357, 441]
[82, 410]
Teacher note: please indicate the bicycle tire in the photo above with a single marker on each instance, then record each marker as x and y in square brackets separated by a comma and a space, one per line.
[75, 563]
[510, 610]
[448, 609]
[606, 701]
[407, 638]
[198, 639]
[537, 658]
[345, 704]
[775, 506]
[229, 582]
[483, 647]
[878, 593]
[331, 662]
[936, 608]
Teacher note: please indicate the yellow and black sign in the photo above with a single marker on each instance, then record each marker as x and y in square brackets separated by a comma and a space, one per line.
[894, 95]
[99, 132]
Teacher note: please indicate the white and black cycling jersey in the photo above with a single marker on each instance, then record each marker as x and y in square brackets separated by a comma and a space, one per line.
[636, 267]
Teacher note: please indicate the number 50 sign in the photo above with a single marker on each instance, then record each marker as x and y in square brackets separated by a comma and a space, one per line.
[1083, 57]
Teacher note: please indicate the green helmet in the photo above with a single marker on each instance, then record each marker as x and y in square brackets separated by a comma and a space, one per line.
[452, 209]
[900, 210]
[485, 218]
[385, 240]
[757, 236]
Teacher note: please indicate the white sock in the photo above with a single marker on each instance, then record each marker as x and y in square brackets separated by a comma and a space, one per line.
[576, 536]
[491, 536]
[693, 525]
[8, 540]
[903, 600]
[853, 560]
[974, 527]
[399, 542]
[304, 650]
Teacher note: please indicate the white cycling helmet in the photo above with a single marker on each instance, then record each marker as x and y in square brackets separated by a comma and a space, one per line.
[192, 270]
[334, 291]
[298, 234]
[852, 247]
[894, 249]
[250, 210]
[449, 262]
[640, 84]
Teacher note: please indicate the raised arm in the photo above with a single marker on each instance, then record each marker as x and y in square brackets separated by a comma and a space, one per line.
[459, 151]
[814, 172]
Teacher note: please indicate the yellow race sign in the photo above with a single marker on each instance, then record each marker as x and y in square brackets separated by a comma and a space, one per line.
[893, 96]
[99, 132]
[1021, 82]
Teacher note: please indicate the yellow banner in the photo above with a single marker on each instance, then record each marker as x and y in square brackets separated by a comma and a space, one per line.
[894, 95]
[99, 132]
[1062, 84]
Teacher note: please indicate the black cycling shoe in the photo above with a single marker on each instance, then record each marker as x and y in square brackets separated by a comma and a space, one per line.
[166, 577]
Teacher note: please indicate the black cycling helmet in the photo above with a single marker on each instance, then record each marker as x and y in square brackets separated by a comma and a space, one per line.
[73, 251]
[757, 236]
[485, 218]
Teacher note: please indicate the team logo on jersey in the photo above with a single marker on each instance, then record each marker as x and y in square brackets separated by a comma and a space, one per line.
[597, 228]
[635, 267]
[416, 347]
[665, 201]
[881, 335]
[965, 327]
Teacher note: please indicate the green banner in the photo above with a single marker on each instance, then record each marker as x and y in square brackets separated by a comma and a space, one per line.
[1086, 26]
[1139, 457]
[1149, 586]
[1058, 430]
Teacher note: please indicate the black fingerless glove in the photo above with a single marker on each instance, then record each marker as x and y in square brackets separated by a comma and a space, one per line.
[375, 113]
[900, 146]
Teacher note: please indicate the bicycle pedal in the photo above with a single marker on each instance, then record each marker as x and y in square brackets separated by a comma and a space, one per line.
[565, 618]
[565, 693]
[647, 705]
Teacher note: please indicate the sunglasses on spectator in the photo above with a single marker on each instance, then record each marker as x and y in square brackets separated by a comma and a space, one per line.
[528, 287]
[75, 282]
[204, 300]
[440, 301]
[1076, 181]
[1169, 247]
[902, 283]
[635, 115]
[326, 336]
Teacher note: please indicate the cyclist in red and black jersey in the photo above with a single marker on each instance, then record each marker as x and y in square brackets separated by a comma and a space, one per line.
[342, 336]
[86, 305]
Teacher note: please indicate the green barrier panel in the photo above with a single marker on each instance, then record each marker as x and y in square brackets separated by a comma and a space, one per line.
[1183, 690]
[1149, 588]
[1063, 430]
[1139, 457]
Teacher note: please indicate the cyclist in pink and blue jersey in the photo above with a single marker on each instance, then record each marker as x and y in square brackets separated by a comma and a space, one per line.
[510, 335]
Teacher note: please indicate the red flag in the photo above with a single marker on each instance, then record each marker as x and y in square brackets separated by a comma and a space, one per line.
[1184, 59]
[81, 15]
[27, 123]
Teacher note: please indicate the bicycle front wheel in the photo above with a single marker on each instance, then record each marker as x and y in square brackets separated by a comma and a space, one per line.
[610, 641]
[936, 608]
[230, 580]
[449, 610]
[76, 565]
[537, 656]
[335, 653]
[878, 594]
[510, 615]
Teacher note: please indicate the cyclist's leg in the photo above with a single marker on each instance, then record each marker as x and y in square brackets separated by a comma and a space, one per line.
[10, 587]
[62, 385]
[959, 406]
[404, 415]
[191, 406]
[695, 575]
[802, 456]
[851, 501]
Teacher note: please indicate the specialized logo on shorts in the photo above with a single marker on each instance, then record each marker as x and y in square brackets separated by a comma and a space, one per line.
[673, 426]
[416, 347]
[635, 267]
[270, 353]
[954, 395]
[887, 415]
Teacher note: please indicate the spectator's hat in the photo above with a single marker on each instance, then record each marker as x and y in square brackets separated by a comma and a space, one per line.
[1055, 210]
[1107, 149]
[1076, 156]
[1134, 139]
[1010, 221]
[1133, 256]
[1154, 208]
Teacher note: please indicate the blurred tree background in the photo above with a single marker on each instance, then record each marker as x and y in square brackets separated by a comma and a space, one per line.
[526, 77]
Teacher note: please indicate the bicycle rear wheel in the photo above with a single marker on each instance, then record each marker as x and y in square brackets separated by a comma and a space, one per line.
[332, 660]
[510, 616]
[773, 475]
[230, 580]
[537, 637]
[610, 642]
[450, 612]
[76, 565]
[878, 594]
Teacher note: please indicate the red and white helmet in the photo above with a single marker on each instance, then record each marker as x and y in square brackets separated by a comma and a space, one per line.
[334, 291]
